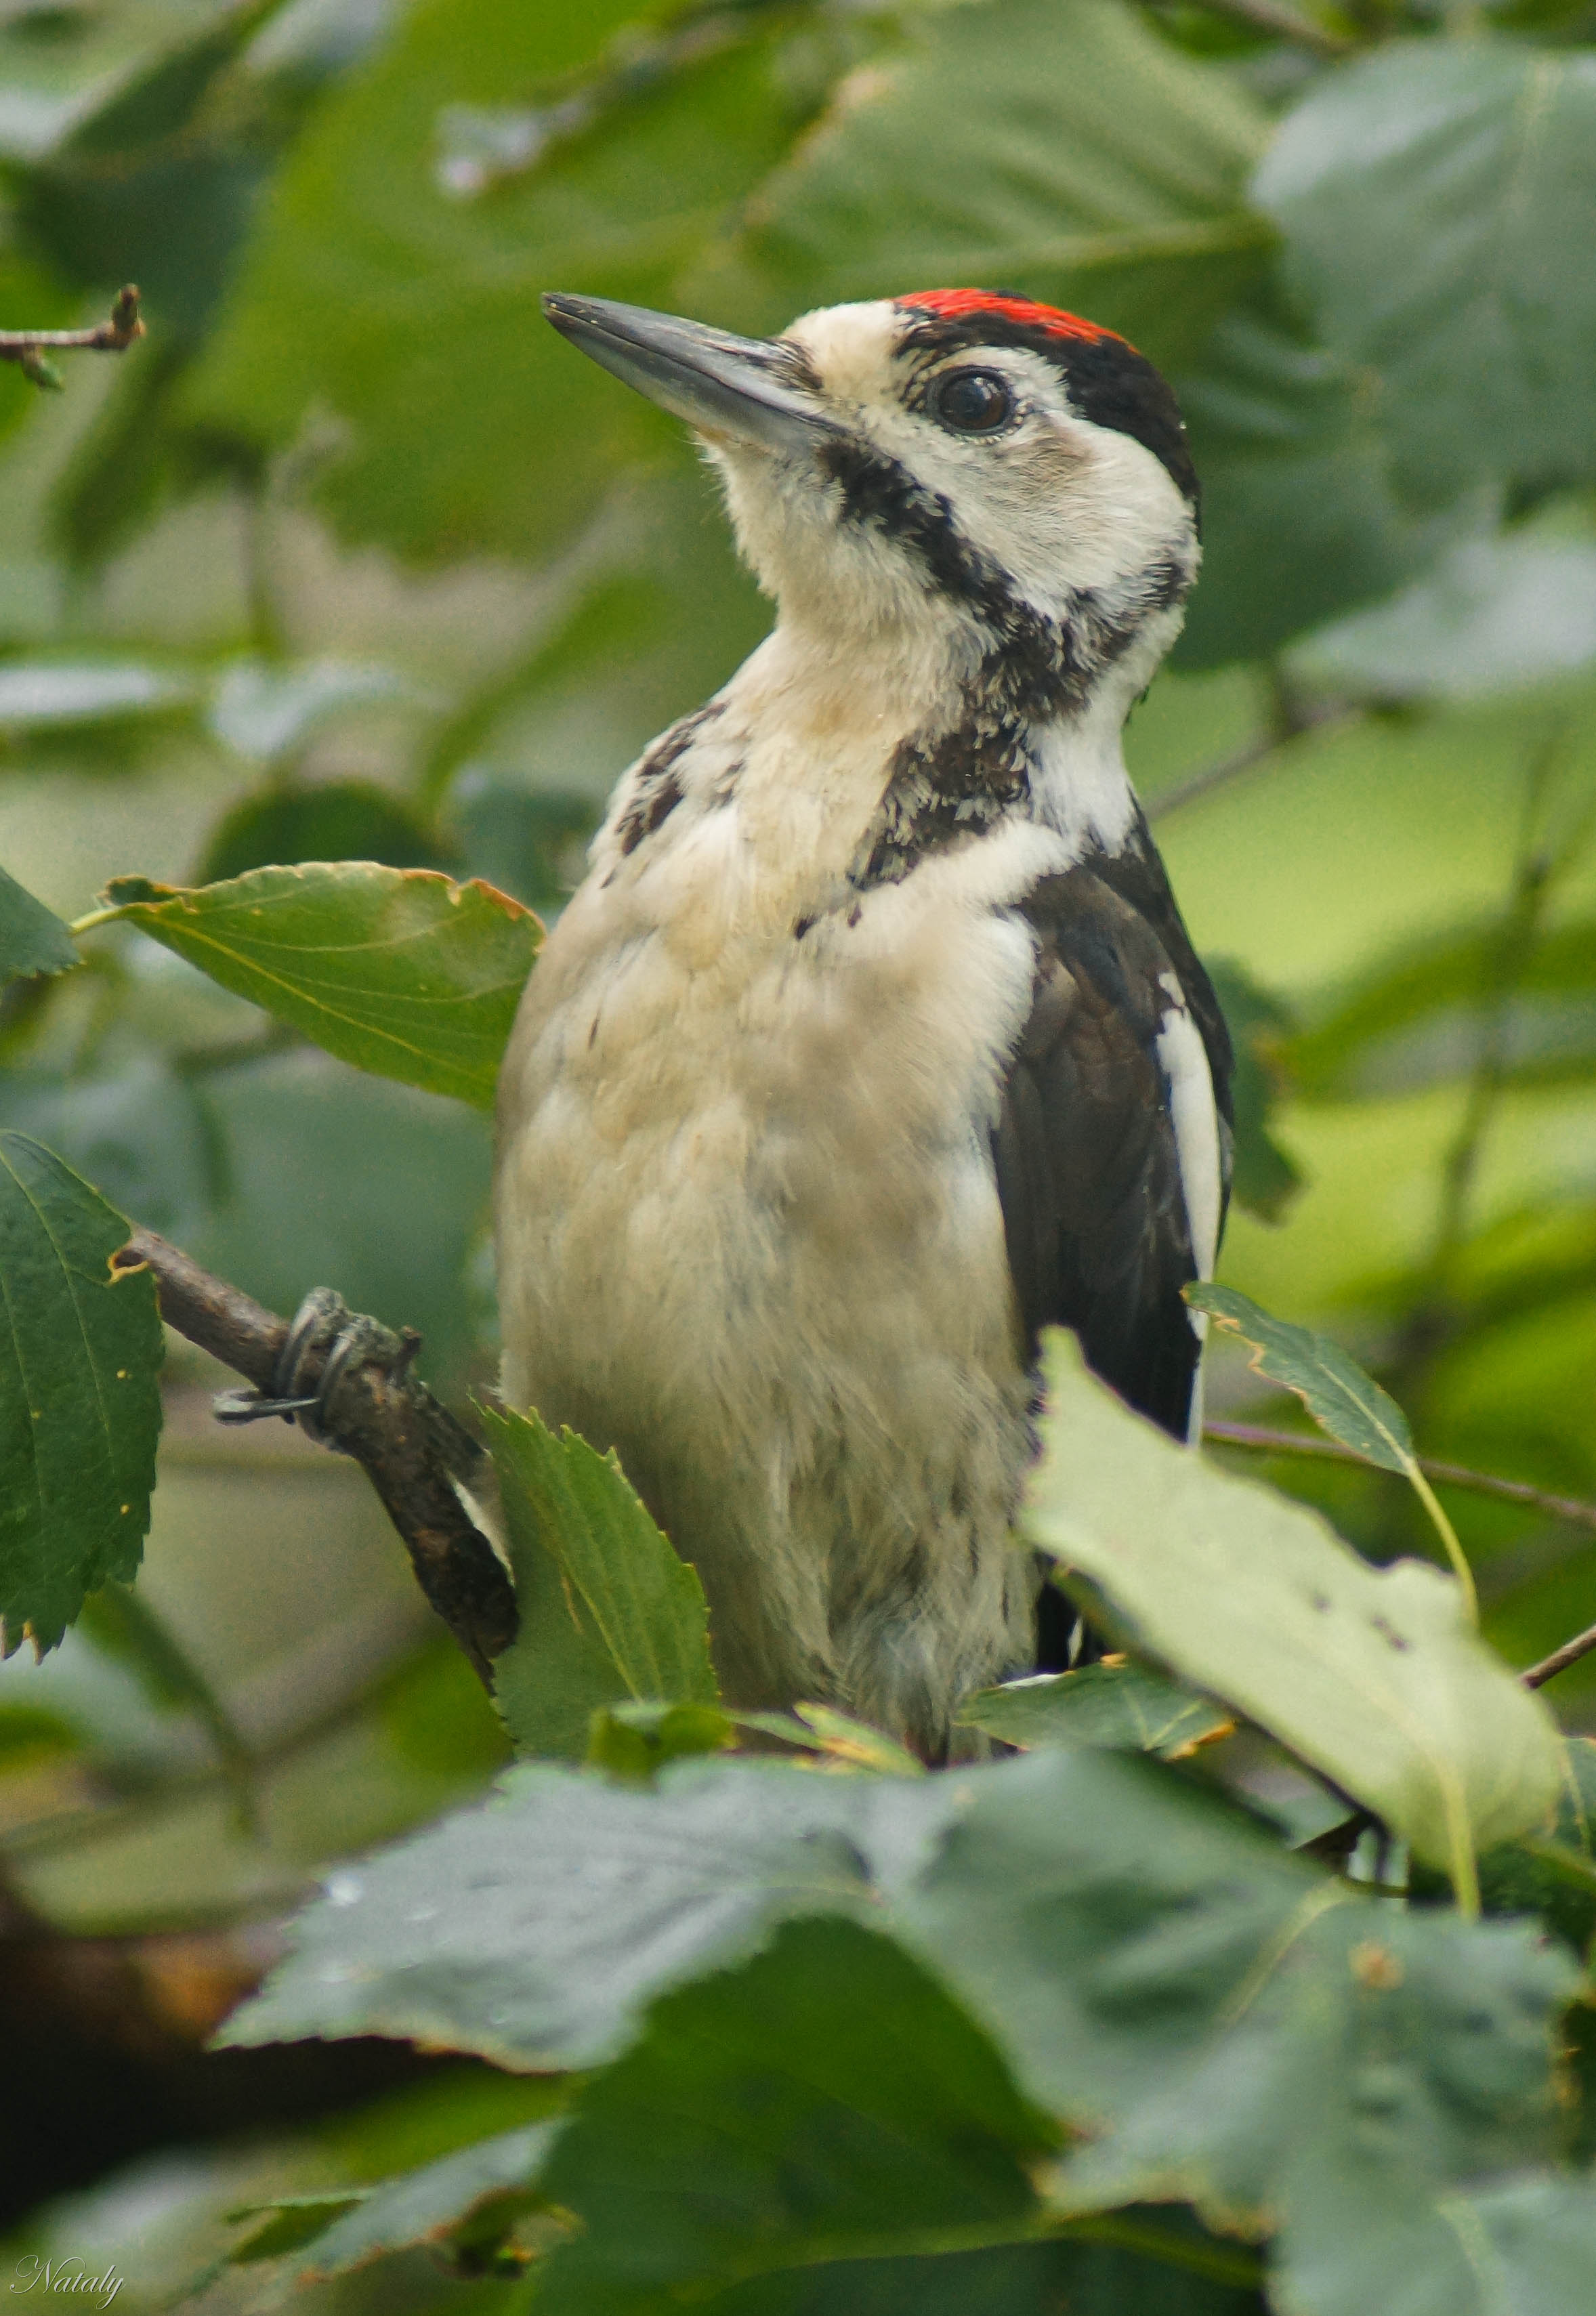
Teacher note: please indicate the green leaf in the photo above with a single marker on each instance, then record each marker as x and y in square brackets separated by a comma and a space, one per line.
[1415, 1018]
[586, 1898]
[337, 820]
[1266, 1178]
[844, 1742]
[32, 938]
[1552, 1875]
[474, 427]
[1112, 1703]
[398, 971]
[46, 695]
[271, 712]
[1526, 2245]
[1056, 147]
[1225, 2024]
[1224, 2021]
[1439, 203]
[80, 1412]
[1334, 1388]
[291, 2221]
[1494, 615]
[827, 2097]
[632, 1740]
[1371, 1675]
[1337, 1393]
[427, 2206]
[608, 1611]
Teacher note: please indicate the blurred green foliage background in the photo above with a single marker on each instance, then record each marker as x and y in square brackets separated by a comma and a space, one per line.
[351, 557]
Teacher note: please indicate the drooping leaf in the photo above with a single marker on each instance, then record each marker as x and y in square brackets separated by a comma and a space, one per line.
[586, 1898]
[827, 2098]
[427, 2206]
[398, 971]
[32, 938]
[1371, 1675]
[608, 1611]
[1339, 1397]
[1113, 1704]
[1439, 203]
[1061, 150]
[79, 1408]
[335, 820]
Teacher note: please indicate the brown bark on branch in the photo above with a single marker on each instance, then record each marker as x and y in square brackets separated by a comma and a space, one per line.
[28, 348]
[369, 1405]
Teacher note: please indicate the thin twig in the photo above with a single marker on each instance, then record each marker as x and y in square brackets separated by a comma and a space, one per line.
[411, 1448]
[114, 337]
[1560, 1659]
[1255, 1436]
[1225, 769]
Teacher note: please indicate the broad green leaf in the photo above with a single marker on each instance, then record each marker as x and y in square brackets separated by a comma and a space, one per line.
[1494, 615]
[608, 1611]
[427, 2206]
[32, 938]
[827, 2097]
[43, 695]
[335, 820]
[475, 427]
[1228, 2026]
[1522, 2247]
[398, 971]
[1339, 1397]
[1112, 1703]
[632, 1740]
[1054, 147]
[1224, 2021]
[586, 1898]
[1266, 1178]
[1439, 203]
[80, 1412]
[1371, 1675]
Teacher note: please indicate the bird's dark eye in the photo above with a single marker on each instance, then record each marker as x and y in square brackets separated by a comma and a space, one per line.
[972, 401]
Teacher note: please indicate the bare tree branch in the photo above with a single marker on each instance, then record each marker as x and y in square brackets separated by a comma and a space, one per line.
[1560, 1659]
[27, 348]
[1452, 1475]
[353, 1390]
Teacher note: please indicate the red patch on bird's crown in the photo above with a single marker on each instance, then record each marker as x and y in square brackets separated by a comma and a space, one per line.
[961, 305]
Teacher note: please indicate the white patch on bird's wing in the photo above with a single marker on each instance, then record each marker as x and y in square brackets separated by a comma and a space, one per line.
[1183, 1059]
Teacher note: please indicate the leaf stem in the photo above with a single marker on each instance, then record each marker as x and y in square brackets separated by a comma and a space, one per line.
[86, 924]
[1449, 1536]
[1570, 1653]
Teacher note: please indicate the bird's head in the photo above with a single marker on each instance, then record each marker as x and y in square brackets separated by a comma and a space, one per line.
[1001, 474]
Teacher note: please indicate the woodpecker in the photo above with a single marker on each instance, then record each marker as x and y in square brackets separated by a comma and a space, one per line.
[873, 1041]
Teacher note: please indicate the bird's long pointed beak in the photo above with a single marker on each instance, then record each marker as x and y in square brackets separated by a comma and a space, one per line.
[748, 388]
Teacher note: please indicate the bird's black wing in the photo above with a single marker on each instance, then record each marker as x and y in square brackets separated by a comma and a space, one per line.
[1087, 1156]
